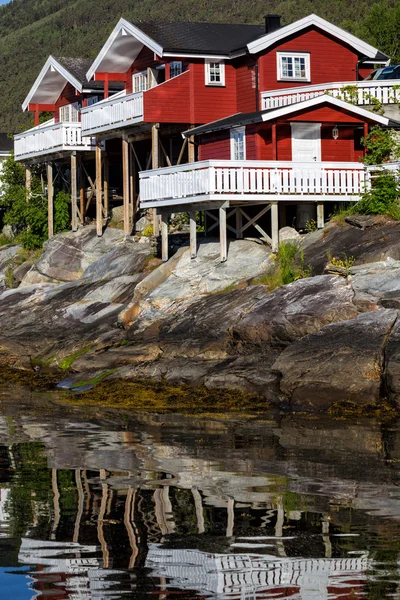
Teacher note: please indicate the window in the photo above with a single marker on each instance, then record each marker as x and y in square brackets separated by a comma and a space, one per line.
[139, 82]
[92, 100]
[69, 113]
[215, 72]
[175, 68]
[238, 143]
[295, 65]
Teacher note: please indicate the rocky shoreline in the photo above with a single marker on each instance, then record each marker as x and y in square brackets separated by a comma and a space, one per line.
[93, 308]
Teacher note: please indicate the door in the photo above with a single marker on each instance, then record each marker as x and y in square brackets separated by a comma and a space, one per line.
[306, 142]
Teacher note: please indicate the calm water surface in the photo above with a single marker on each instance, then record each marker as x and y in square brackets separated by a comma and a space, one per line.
[97, 506]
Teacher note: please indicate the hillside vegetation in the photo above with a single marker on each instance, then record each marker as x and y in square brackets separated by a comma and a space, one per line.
[30, 30]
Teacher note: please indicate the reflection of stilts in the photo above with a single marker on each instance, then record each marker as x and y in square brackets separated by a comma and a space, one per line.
[56, 503]
[199, 510]
[326, 539]
[100, 521]
[231, 517]
[280, 519]
[163, 510]
[81, 498]
[87, 491]
[128, 520]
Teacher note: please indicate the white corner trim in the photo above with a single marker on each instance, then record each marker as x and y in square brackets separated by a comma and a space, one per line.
[51, 62]
[275, 36]
[128, 29]
[287, 110]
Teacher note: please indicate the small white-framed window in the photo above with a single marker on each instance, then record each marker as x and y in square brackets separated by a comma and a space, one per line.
[214, 72]
[139, 82]
[293, 66]
[92, 100]
[238, 143]
[69, 113]
[175, 68]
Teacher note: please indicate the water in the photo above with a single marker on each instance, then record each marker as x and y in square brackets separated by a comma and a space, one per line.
[100, 506]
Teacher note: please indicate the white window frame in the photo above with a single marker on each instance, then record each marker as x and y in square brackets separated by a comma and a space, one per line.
[234, 144]
[208, 71]
[178, 66]
[139, 82]
[92, 100]
[69, 113]
[293, 56]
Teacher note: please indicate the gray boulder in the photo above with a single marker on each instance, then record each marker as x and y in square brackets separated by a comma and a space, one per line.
[288, 234]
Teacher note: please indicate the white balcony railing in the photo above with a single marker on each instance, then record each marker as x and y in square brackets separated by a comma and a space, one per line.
[251, 180]
[49, 138]
[118, 111]
[363, 93]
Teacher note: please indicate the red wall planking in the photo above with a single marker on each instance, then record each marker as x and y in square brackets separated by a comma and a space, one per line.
[67, 96]
[245, 85]
[330, 60]
[215, 146]
[212, 102]
[168, 102]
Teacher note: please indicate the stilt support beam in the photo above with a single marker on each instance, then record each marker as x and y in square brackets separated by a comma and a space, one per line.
[106, 175]
[164, 236]
[155, 163]
[222, 234]
[74, 193]
[239, 223]
[193, 234]
[50, 194]
[99, 199]
[274, 227]
[28, 181]
[125, 186]
[320, 215]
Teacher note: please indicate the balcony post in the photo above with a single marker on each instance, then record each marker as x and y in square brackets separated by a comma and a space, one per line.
[155, 163]
[193, 234]
[74, 194]
[164, 236]
[222, 234]
[28, 181]
[99, 199]
[106, 175]
[125, 185]
[274, 227]
[320, 215]
[191, 148]
[50, 193]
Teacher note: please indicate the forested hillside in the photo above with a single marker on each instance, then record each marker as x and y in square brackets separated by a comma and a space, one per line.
[30, 30]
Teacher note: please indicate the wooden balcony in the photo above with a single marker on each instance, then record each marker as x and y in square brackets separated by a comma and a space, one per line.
[113, 113]
[362, 93]
[51, 138]
[251, 181]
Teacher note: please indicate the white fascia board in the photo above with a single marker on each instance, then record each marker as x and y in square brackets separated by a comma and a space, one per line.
[275, 36]
[51, 62]
[293, 108]
[128, 28]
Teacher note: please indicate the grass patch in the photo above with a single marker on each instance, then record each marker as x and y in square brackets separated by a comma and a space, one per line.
[344, 210]
[5, 240]
[94, 380]
[289, 267]
[66, 362]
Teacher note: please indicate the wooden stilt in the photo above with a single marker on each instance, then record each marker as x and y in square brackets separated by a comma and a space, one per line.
[28, 182]
[239, 224]
[74, 193]
[106, 175]
[222, 234]
[164, 236]
[191, 148]
[125, 185]
[274, 227]
[50, 194]
[193, 234]
[155, 163]
[320, 215]
[82, 191]
[99, 199]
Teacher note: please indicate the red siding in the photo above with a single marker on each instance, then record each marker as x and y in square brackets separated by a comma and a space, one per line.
[326, 114]
[215, 146]
[245, 86]
[330, 60]
[169, 102]
[342, 149]
[212, 102]
[67, 96]
[251, 143]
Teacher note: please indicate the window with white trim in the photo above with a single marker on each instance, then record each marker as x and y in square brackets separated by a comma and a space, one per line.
[293, 66]
[238, 143]
[175, 68]
[92, 100]
[69, 113]
[215, 72]
[139, 82]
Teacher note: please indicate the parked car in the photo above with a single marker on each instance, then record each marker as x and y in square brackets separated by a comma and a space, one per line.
[391, 72]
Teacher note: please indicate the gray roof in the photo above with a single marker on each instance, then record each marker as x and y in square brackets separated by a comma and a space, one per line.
[78, 67]
[201, 38]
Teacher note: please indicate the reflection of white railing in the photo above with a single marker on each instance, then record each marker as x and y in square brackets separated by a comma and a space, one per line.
[49, 138]
[358, 92]
[112, 113]
[251, 180]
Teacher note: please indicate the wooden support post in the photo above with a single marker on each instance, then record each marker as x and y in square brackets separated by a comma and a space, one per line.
[274, 227]
[106, 176]
[82, 191]
[131, 186]
[222, 234]
[164, 236]
[193, 234]
[125, 185]
[320, 215]
[99, 199]
[191, 148]
[274, 143]
[50, 194]
[74, 193]
[155, 163]
[239, 223]
[28, 182]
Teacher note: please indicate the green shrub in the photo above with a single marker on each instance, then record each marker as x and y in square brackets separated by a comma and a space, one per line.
[381, 145]
[382, 197]
[289, 267]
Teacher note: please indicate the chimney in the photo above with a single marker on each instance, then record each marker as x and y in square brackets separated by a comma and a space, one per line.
[272, 23]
